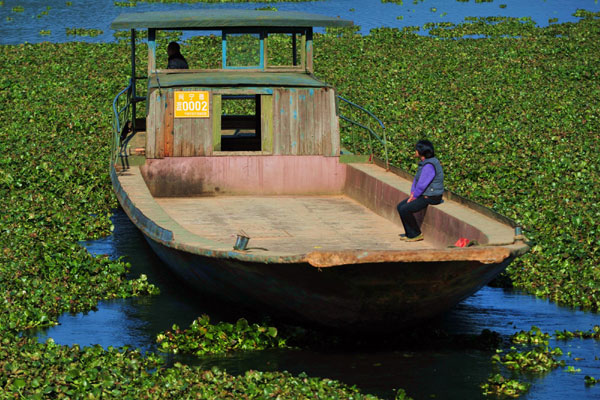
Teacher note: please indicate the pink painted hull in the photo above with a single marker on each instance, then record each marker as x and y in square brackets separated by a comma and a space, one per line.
[268, 175]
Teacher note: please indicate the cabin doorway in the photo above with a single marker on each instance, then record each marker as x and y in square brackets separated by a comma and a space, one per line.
[240, 123]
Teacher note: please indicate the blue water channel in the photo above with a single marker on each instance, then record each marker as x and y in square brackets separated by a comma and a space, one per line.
[440, 368]
[25, 26]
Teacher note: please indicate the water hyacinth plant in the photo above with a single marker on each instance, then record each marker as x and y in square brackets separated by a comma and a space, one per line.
[535, 336]
[499, 386]
[590, 380]
[202, 337]
[83, 32]
[41, 371]
[594, 333]
[539, 359]
[506, 111]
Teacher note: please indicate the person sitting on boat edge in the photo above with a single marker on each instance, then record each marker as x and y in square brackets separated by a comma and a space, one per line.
[176, 59]
[427, 188]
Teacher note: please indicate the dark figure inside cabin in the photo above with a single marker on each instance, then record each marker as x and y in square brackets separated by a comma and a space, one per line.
[427, 188]
[176, 59]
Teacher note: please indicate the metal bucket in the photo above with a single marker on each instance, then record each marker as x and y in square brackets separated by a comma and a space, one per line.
[241, 242]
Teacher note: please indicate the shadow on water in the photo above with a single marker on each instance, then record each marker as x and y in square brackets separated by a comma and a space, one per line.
[446, 359]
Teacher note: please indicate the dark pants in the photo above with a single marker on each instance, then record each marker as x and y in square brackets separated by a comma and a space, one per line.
[407, 210]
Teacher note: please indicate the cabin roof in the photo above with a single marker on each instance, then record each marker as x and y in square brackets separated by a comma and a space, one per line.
[218, 19]
[236, 78]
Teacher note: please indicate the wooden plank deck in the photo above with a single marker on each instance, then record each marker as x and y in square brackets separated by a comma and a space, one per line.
[288, 224]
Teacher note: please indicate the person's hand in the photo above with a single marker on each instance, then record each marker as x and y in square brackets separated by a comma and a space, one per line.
[411, 198]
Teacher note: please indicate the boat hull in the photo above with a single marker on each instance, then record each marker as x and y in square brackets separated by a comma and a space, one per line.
[360, 297]
[359, 290]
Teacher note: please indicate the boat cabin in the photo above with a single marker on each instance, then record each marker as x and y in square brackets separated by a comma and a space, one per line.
[291, 111]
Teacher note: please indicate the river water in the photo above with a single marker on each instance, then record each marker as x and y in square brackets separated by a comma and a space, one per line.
[439, 369]
[25, 26]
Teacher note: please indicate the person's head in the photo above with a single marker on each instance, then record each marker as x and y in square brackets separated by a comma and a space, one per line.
[173, 49]
[425, 149]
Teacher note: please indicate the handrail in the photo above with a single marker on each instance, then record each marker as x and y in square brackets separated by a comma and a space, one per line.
[362, 109]
[116, 146]
[383, 142]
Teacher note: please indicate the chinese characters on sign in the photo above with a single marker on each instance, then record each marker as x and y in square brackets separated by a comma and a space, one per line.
[191, 104]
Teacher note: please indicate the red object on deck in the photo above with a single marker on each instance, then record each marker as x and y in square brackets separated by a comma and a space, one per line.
[462, 242]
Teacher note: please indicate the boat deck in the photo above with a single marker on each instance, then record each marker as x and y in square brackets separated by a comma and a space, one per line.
[322, 230]
[288, 224]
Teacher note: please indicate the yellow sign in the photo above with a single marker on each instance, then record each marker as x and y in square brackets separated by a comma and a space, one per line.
[192, 104]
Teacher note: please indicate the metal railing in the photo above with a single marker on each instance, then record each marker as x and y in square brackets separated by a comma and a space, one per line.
[122, 116]
[372, 133]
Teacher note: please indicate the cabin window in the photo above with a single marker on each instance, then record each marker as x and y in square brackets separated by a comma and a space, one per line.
[243, 50]
[240, 123]
[283, 50]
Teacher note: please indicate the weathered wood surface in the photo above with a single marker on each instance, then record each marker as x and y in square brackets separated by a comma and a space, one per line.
[151, 125]
[304, 122]
[288, 224]
[266, 122]
[293, 121]
[168, 126]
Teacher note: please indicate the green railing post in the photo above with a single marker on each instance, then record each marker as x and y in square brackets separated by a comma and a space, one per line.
[373, 134]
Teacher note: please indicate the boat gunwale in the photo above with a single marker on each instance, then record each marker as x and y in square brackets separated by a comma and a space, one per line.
[451, 196]
[486, 254]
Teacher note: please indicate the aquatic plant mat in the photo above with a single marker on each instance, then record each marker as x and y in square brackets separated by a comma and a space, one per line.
[515, 121]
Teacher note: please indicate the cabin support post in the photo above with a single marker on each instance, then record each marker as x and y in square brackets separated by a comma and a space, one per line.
[263, 51]
[303, 50]
[133, 94]
[309, 50]
[151, 51]
[224, 49]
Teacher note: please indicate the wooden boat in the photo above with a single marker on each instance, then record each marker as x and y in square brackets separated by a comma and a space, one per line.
[322, 226]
